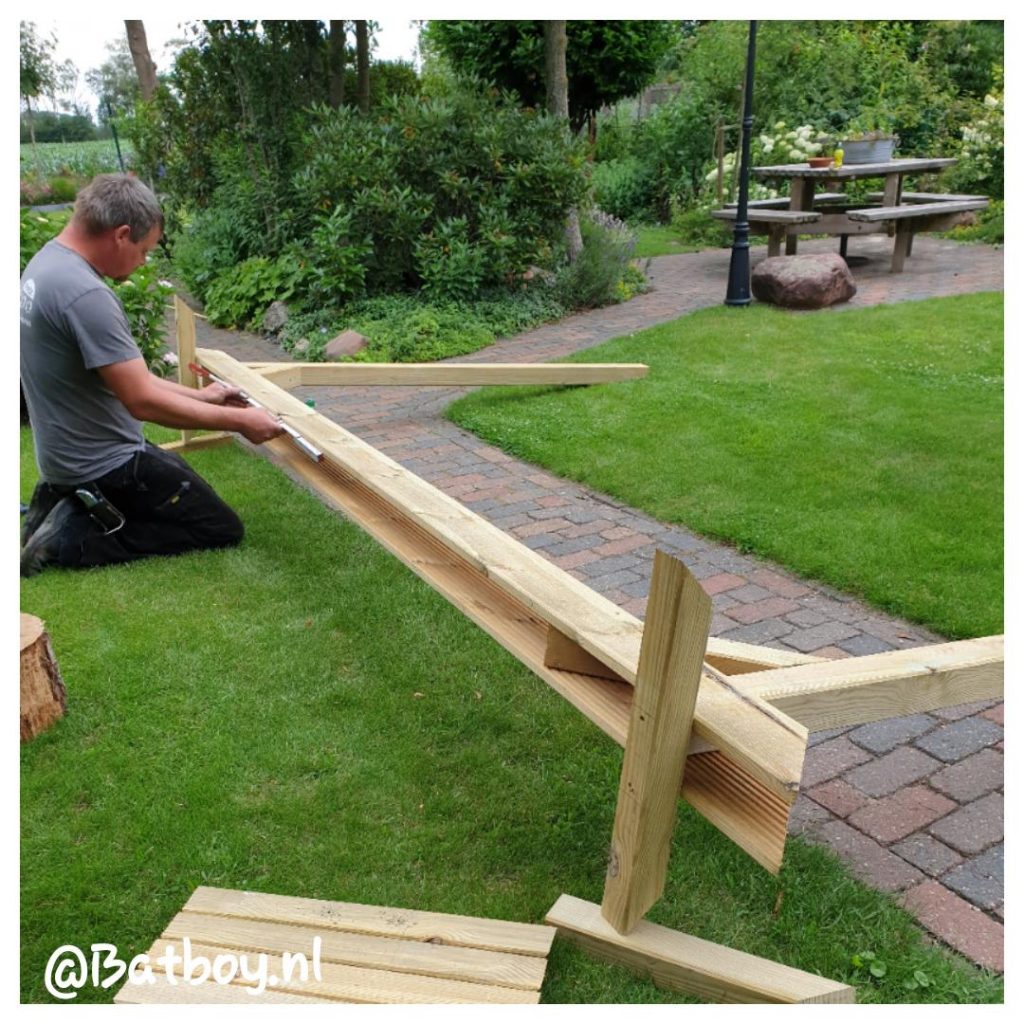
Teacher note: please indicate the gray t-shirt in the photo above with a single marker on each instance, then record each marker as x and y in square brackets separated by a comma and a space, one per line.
[72, 323]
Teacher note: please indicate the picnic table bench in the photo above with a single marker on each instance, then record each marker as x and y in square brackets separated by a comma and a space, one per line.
[890, 211]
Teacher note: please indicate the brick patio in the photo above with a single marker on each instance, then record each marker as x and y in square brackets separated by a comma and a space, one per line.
[913, 805]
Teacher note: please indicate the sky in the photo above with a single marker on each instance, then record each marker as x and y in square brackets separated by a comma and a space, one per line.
[84, 40]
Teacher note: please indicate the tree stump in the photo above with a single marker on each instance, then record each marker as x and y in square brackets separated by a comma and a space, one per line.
[43, 694]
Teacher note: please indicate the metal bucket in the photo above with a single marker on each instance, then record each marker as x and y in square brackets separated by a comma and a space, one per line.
[868, 151]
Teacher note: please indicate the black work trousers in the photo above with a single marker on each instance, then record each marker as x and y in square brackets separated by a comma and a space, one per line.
[168, 509]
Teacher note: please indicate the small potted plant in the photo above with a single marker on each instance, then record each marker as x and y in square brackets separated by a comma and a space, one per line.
[868, 140]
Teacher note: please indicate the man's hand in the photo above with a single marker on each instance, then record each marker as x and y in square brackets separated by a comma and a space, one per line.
[257, 426]
[221, 394]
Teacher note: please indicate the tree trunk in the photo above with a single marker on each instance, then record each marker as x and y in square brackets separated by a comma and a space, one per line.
[144, 66]
[43, 695]
[336, 80]
[363, 65]
[556, 81]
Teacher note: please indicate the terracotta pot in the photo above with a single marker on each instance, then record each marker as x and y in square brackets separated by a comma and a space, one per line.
[820, 161]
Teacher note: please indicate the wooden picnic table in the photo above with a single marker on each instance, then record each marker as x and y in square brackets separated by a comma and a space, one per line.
[898, 214]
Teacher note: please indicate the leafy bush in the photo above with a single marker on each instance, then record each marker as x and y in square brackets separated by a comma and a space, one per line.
[623, 188]
[37, 229]
[979, 166]
[239, 295]
[593, 280]
[405, 328]
[987, 228]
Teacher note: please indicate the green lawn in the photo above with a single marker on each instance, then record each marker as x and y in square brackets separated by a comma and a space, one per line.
[302, 715]
[861, 447]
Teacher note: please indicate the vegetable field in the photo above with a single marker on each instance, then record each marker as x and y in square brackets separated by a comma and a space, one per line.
[78, 159]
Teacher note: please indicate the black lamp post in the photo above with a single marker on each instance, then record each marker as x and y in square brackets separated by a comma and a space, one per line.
[738, 291]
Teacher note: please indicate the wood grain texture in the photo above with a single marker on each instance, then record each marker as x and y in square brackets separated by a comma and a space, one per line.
[196, 441]
[668, 677]
[425, 926]
[185, 336]
[405, 955]
[685, 963]
[853, 691]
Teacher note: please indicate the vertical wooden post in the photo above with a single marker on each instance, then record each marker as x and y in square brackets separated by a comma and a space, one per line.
[671, 658]
[720, 158]
[185, 332]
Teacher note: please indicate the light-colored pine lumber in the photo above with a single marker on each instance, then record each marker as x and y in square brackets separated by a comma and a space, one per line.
[409, 956]
[422, 925]
[563, 653]
[687, 964]
[185, 334]
[668, 677]
[161, 991]
[446, 374]
[196, 441]
[342, 983]
[465, 552]
[853, 691]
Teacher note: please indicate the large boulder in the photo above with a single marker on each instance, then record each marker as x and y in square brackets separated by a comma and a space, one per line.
[803, 282]
[348, 343]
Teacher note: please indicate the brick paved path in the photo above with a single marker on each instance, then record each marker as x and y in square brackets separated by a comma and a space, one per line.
[913, 805]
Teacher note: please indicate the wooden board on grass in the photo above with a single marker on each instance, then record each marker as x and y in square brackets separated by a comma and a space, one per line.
[327, 951]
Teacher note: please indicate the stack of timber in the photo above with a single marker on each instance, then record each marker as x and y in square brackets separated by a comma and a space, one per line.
[367, 954]
[745, 759]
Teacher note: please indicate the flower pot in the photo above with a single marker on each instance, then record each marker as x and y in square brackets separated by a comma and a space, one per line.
[867, 151]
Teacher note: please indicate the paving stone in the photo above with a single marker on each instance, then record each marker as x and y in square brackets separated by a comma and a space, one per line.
[972, 828]
[756, 611]
[827, 760]
[749, 593]
[611, 580]
[721, 623]
[973, 777]
[869, 861]
[926, 853]
[723, 602]
[838, 796]
[895, 817]
[979, 880]
[958, 711]
[807, 640]
[994, 714]
[864, 643]
[615, 564]
[721, 582]
[815, 738]
[569, 547]
[533, 527]
[830, 653]
[760, 632]
[784, 586]
[956, 741]
[960, 925]
[887, 734]
[900, 767]
[805, 617]
[805, 816]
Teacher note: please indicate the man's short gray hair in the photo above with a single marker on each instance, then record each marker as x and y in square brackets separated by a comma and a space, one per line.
[110, 200]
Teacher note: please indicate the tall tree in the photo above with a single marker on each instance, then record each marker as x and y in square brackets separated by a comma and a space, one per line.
[336, 63]
[144, 66]
[115, 81]
[606, 60]
[38, 74]
[363, 65]
[557, 83]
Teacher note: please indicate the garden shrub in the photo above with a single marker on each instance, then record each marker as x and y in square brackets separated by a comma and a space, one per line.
[593, 279]
[623, 188]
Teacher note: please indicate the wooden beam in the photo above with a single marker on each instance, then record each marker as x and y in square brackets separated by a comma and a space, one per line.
[853, 691]
[517, 596]
[450, 374]
[685, 963]
[185, 334]
[198, 441]
[668, 677]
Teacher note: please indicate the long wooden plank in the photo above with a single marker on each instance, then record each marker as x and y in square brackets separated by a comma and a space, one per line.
[162, 991]
[525, 635]
[452, 374]
[360, 984]
[761, 741]
[687, 964]
[198, 441]
[185, 337]
[853, 691]
[918, 210]
[426, 926]
[409, 956]
[668, 677]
